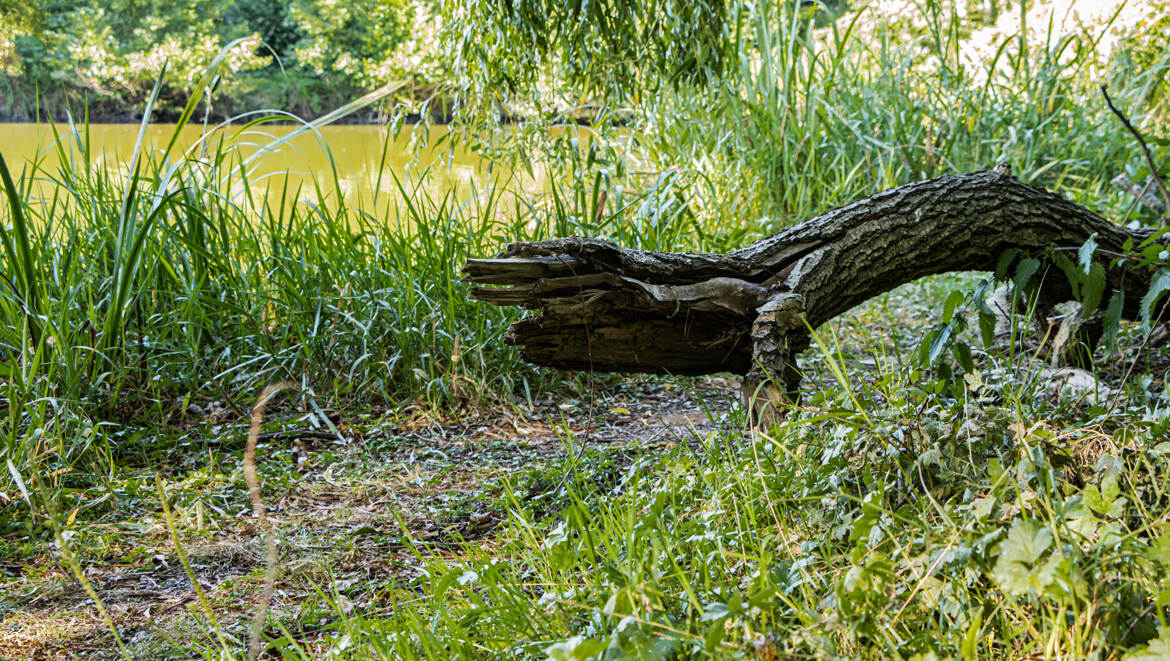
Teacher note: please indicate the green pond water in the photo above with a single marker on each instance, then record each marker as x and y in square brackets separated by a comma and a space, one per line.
[366, 160]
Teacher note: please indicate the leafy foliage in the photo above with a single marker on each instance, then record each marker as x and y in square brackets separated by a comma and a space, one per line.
[113, 50]
[609, 48]
[878, 523]
[352, 39]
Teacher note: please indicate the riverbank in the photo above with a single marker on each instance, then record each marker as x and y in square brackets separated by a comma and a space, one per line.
[25, 106]
[21, 104]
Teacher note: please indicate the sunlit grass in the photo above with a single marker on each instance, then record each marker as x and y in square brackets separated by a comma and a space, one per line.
[184, 282]
[888, 517]
[819, 117]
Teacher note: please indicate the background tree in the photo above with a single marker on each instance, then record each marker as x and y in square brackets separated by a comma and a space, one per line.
[273, 21]
[352, 40]
[303, 56]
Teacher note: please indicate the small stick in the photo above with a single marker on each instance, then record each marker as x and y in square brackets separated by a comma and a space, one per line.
[1145, 148]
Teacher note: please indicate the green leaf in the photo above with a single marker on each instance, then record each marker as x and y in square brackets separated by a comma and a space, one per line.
[1005, 260]
[981, 508]
[987, 329]
[1085, 254]
[1104, 500]
[945, 373]
[953, 301]
[1159, 286]
[962, 354]
[714, 611]
[713, 637]
[576, 648]
[980, 297]
[867, 518]
[1094, 289]
[630, 642]
[924, 347]
[1025, 271]
[19, 482]
[445, 583]
[1162, 599]
[1113, 317]
[1159, 550]
[938, 343]
[1076, 279]
[1060, 579]
[1152, 251]
[1156, 236]
[1019, 557]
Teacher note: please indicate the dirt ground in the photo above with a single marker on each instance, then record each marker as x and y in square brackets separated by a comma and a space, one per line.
[343, 510]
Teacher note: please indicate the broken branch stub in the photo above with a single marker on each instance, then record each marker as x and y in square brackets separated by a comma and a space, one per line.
[606, 308]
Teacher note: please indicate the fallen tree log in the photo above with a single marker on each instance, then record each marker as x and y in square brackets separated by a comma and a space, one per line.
[606, 308]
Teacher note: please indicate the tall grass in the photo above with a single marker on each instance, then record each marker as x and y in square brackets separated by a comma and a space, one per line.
[818, 117]
[157, 286]
[186, 279]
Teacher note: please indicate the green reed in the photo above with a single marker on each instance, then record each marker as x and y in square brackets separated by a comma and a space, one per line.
[185, 280]
[818, 117]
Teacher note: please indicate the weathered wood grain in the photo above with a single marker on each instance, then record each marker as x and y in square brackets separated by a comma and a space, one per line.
[608, 308]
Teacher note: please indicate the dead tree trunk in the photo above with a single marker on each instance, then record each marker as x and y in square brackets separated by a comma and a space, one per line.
[606, 308]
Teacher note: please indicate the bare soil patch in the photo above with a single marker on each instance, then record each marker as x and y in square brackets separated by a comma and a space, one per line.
[350, 517]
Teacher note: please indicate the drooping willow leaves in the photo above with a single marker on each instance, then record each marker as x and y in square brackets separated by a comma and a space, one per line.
[612, 49]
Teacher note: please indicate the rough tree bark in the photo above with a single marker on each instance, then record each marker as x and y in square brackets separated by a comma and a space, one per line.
[606, 308]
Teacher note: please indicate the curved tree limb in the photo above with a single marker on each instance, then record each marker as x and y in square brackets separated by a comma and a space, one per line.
[606, 308]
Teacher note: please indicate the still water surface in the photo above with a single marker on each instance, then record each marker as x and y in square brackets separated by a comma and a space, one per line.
[367, 160]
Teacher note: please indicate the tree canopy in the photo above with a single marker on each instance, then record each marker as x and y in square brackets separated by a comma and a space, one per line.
[301, 55]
